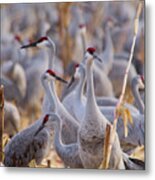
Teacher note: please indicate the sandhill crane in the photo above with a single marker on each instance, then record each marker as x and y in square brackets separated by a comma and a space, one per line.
[16, 76]
[92, 128]
[102, 83]
[136, 85]
[139, 66]
[38, 66]
[11, 118]
[33, 73]
[52, 103]
[75, 101]
[91, 132]
[111, 101]
[120, 62]
[69, 122]
[135, 131]
[32, 143]
[8, 52]
[14, 94]
[110, 66]
[67, 152]
[107, 55]
[116, 75]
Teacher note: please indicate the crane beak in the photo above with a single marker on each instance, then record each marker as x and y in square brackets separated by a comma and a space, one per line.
[29, 45]
[96, 57]
[71, 82]
[40, 128]
[60, 79]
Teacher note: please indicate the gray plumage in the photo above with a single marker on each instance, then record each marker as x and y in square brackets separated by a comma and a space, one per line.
[92, 130]
[75, 101]
[12, 121]
[117, 73]
[107, 55]
[137, 84]
[135, 131]
[31, 143]
[37, 67]
[67, 152]
[52, 104]
[16, 76]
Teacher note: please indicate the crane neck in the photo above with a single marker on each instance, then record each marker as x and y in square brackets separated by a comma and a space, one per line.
[91, 102]
[80, 86]
[83, 39]
[51, 53]
[57, 137]
[51, 66]
[138, 100]
[53, 91]
[108, 51]
[49, 94]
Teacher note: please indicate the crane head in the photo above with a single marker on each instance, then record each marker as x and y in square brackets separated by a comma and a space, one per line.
[18, 38]
[51, 75]
[91, 54]
[45, 119]
[82, 28]
[53, 120]
[139, 81]
[91, 50]
[42, 42]
[79, 71]
[76, 66]
[73, 76]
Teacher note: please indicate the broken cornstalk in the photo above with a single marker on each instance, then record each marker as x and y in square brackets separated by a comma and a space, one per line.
[105, 163]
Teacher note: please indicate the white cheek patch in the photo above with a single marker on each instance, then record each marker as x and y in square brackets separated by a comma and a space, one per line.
[43, 44]
[88, 55]
[141, 84]
[49, 77]
[83, 30]
[77, 74]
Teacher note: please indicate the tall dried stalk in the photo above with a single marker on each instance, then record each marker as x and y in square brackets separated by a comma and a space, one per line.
[64, 20]
[114, 126]
[105, 163]
[1, 121]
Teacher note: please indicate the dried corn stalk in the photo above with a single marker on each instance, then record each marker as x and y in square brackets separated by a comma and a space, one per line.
[64, 21]
[105, 163]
